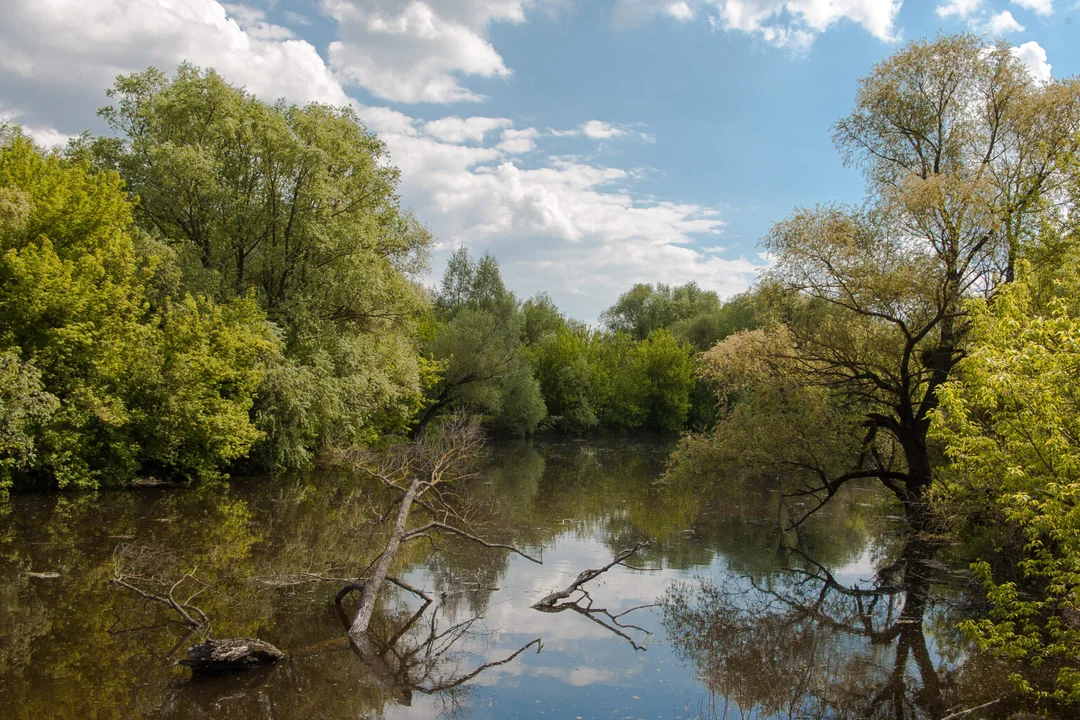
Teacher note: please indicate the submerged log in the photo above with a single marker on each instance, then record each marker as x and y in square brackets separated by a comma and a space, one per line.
[219, 657]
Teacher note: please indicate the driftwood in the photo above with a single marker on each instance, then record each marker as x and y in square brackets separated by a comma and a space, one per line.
[560, 600]
[218, 657]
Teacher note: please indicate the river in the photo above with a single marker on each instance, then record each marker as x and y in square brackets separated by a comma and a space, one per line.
[841, 617]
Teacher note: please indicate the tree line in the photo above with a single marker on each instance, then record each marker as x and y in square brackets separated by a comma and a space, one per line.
[225, 285]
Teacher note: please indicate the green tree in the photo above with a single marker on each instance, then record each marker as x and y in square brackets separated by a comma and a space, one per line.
[1011, 424]
[299, 206]
[478, 342]
[134, 387]
[562, 367]
[668, 368]
[961, 149]
[25, 406]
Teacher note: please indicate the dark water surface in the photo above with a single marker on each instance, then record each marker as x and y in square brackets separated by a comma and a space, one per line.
[752, 622]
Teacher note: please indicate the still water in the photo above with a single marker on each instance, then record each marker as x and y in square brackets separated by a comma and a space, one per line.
[841, 617]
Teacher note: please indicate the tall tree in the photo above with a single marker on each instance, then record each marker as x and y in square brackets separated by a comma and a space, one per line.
[478, 341]
[959, 172]
[299, 205]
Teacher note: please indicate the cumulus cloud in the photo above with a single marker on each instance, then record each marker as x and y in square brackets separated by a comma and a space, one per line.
[792, 24]
[795, 23]
[416, 50]
[632, 12]
[57, 58]
[44, 136]
[515, 142]
[1039, 7]
[454, 129]
[1034, 57]
[577, 229]
[962, 9]
[253, 21]
[1002, 23]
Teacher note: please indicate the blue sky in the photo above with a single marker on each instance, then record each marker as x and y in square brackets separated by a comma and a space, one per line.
[588, 144]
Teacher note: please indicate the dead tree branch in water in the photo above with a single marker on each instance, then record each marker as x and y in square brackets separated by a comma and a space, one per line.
[559, 600]
[423, 474]
[140, 563]
[126, 555]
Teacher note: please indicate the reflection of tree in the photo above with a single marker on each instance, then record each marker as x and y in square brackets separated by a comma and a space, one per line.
[575, 598]
[801, 643]
[418, 655]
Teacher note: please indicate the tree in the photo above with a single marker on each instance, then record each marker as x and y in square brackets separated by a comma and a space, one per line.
[109, 384]
[959, 171]
[561, 364]
[1010, 425]
[421, 474]
[668, 369]
[478, 341]
[644, 309]
[297, 205]
[25, 406]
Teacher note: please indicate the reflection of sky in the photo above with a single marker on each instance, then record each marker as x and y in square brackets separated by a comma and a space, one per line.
[582, 670]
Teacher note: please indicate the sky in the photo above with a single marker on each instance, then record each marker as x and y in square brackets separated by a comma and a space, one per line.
[587, 144]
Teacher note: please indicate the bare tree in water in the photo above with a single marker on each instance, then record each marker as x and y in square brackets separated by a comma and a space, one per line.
[422, 475]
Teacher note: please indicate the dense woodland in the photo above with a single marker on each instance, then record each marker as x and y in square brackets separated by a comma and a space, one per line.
[223, 286]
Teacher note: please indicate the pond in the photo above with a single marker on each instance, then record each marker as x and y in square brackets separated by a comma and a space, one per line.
[735, 616]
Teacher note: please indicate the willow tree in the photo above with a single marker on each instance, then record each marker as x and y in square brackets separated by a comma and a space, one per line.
[299, 206]
[963, 155]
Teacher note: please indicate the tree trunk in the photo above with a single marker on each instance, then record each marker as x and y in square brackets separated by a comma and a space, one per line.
[369, 592]
[918, 482]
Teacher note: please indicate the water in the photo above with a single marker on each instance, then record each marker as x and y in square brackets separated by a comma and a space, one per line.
[752, 621]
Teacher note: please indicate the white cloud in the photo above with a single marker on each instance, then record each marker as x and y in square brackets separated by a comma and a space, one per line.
[680, 11]
[785, 23]
[416, 50]
[631, 12]
[795, 23]
[516, 142]
[1034, 56]
[600, 130]
[574, 228]
[962, 9]
[454, 129]
[1001, 23]
[1039, 7]
[44, 136]
[253, 21]
[57, 57]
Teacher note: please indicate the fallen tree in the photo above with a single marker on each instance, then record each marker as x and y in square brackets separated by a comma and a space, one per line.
[421, 475]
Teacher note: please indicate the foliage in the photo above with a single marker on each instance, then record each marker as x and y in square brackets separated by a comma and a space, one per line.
[1012, 427]
[129, 387]
[959, 173]
[24, 407]
[478, 342]
[297, 206]
[693, 315]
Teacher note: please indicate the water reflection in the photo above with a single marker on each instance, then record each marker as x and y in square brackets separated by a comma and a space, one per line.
[805, 642]
[75, 646]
